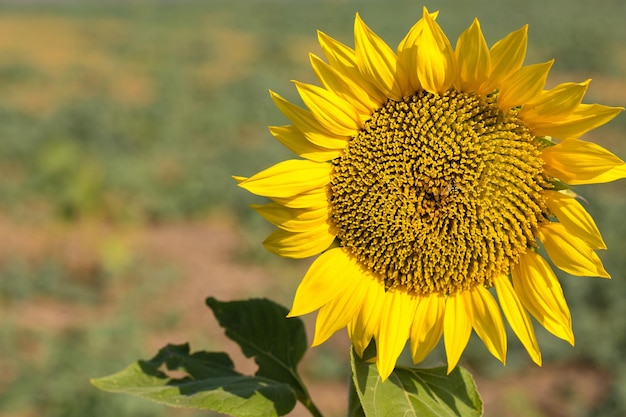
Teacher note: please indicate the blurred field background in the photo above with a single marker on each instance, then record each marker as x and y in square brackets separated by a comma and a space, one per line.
[120, 126]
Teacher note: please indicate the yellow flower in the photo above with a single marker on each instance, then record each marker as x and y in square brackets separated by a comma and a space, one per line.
[429, 176]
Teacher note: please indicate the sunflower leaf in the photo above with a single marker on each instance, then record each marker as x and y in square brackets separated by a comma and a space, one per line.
[261, 329]
[202, 380]
[413, 392]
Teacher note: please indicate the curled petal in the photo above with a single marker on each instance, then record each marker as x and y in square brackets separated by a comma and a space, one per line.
[586, 117]
[344, 87]
[343, 59]
[612, 174]
[517, 317]
[308, 125]
[288, 178]
[576, 161]
[313, 199]
[554, 104]
[437, 61]
[473, 59]
[293, 138]
[299, 245]
[397, 313]
[574, 218]
[407, 54]
[320, 283]
[367, 321]
[487, 322]
[332, 112]
[239, 179]
[292, 220]
[570, 253]
[457, 327]
[540, 292]
[339, 55]
[342, 309]
[376, 59]
[523, 85]
[507, 56]
[427, 327]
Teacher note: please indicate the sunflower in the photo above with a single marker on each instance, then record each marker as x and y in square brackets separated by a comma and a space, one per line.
[429, 179]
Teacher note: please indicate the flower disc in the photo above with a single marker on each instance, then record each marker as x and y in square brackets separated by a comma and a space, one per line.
[439, 192]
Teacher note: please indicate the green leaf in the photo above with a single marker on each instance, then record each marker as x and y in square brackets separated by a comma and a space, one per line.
[204, 380]
[416, 392]
[261, 329]
[208, 380]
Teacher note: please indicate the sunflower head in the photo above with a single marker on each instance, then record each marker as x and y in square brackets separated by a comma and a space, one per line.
[428, 179]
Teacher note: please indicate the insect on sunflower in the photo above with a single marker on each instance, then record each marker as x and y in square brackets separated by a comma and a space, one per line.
[429, 178]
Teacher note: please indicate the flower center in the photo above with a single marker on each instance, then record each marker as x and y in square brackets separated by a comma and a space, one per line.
[439, 192]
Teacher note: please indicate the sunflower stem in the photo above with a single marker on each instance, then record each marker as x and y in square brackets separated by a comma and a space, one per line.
[308, 403]
[302, 394]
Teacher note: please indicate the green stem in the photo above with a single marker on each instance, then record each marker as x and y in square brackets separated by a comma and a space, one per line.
[308, 403]
[302, 394]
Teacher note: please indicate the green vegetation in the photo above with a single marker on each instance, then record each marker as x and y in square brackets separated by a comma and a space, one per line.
[136, 115]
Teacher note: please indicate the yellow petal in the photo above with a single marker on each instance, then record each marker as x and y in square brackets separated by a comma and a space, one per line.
[289, 178]
[367, 321]
[376, 59]
[308, 125]
[332, 112]
[411, 39]
[338, 54]
[575, 161]
[321, 284]
[540, 292]
[436, 59]
[397, 314]
[586, 117]
[517, 317]
[554, 104]
[507, 56]
[457, 327]
[427, 326]
[313, 199]
[292, 220]
[523, 85]
[342, 309]
[239, 178]
[298, 245]
[612, 174]
[574, 218]
[344, 87]
[570, 253]
[343, 59]
[487, 321]
[407, 54]
[473, 59]
[293, 138]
